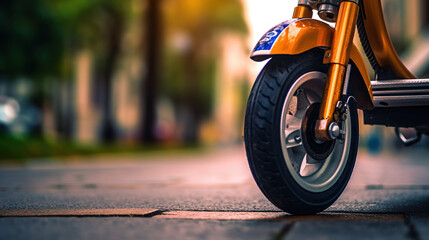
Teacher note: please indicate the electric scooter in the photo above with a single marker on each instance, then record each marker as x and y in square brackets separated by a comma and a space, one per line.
[301, 126]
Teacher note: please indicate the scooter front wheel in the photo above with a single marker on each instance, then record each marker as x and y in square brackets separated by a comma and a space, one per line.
[296, 172]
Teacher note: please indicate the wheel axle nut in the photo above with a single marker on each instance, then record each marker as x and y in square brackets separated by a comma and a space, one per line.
[334, 130]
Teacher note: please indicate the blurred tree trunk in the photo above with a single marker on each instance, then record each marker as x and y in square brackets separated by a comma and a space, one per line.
[113, 39]
[153, 40]
[64, 115]
[192, 92]
[61, 97]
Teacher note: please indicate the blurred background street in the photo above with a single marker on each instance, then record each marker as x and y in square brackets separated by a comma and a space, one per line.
[125, 104]
[84, 77]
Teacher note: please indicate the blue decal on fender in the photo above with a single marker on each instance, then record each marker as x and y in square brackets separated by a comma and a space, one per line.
[267, 41]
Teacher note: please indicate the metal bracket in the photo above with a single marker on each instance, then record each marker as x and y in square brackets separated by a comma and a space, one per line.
[408, 136]
[309, 3]
[355, 1]
[347, 80]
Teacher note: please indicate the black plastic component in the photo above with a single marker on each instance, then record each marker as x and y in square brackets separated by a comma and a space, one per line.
[384, 74]
[332, 2]
[398, 116]
[317, 150]
[364, 38]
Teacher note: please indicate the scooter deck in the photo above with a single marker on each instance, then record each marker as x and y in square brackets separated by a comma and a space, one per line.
[401, 93]
[399, 103]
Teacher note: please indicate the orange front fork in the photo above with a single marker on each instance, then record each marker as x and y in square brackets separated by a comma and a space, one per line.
[302, 12]
[339, 56]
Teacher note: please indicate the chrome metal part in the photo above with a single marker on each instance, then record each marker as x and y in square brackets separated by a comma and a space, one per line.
[310, 3]
[401, 93]
[334, 130]
[408, 136]
[328, 9]
[347, 79]
[328, 12]
[311, 174]
[399, 83]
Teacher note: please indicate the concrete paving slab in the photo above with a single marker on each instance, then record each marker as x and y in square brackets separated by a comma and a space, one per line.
[332, 230]
[382, 201]
[383, 188]
[346, 217]
[201, 215]
[128, 212]
[209, 199]
[420, 225]
[204, 199]
[279, 216]
[135, 228]
[220, 215]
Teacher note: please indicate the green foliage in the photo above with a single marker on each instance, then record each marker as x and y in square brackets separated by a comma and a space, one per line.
[16, 150]
[36, 35]
[30, 39]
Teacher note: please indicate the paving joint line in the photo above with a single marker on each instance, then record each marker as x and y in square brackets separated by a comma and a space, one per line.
[113, 212]
[154, 213]
[284, 231]
[207, 215]
[412, 231]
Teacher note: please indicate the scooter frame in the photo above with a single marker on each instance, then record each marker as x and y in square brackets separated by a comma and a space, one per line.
[302, 33]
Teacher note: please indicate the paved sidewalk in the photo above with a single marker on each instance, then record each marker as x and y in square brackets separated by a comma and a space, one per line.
[204, 196]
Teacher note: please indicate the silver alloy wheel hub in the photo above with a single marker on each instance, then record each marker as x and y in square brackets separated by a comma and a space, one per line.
[311, 174]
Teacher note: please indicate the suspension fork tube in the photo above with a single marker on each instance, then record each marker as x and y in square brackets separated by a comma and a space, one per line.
[302, 11]
[342, 43]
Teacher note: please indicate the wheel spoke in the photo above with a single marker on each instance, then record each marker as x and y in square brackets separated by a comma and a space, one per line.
[293, 138]
[293, 106]
[313, 97]
[311, 174]
[303, 101]
[293, 122]
[308, 166]
[297, 157]
[301, 114]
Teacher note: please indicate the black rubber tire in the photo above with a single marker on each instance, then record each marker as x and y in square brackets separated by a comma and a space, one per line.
[262, 136]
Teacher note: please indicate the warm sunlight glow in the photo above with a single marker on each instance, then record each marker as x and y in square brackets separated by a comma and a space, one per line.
[263, 15]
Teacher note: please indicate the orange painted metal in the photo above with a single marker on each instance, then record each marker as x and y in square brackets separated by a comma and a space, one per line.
[302, 36]
[333, 91]
[302, 12]
[380, 42]
[307, 34]
[344, 33]
[361, 89]
[342, 43]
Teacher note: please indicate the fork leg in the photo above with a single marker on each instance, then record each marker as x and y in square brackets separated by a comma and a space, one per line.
[342, 43]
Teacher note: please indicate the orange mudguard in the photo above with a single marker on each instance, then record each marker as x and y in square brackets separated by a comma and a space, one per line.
[296, 36]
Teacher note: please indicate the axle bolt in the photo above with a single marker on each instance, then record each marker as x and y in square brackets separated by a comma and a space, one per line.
[334, 130]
